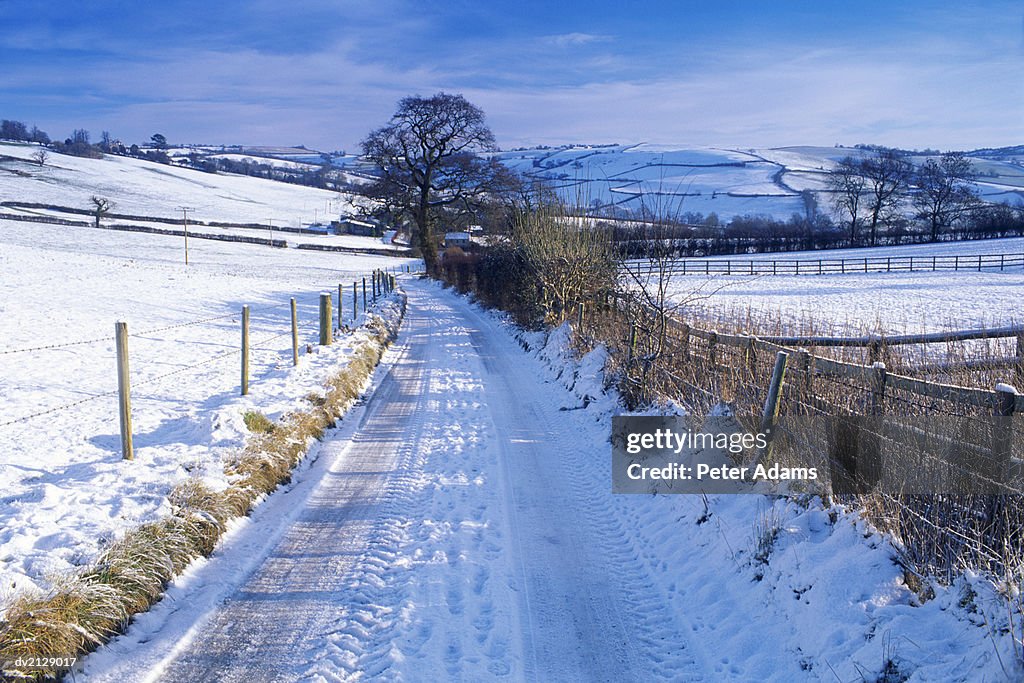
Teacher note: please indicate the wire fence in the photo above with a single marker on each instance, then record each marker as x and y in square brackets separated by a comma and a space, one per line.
[369, 290]
[834, 266]
[912, 420]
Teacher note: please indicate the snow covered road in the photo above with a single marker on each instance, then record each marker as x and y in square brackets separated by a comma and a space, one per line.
[447, 534]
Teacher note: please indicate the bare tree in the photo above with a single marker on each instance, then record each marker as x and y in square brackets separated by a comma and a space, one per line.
[847, 186]
[429, 157]
[943, 191]
[101, 207]
[40, 156]
[887, 176]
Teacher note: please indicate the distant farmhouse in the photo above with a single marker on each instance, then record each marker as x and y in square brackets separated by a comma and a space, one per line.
[366, 227]
[457, 239]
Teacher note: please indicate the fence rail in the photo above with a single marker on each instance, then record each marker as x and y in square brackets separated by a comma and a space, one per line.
[834, 266]
[825, 366]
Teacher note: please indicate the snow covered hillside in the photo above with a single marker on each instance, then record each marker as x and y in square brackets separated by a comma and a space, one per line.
[728, 182]
[65, 489]
[146, 188]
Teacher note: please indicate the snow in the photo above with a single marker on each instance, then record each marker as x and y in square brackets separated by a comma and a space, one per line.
[145, 188]
[66, 490]
[858, 303]
[704, 179]
[486, 544]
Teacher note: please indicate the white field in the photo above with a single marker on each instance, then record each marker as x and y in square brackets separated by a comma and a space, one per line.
[859, 303]
[146, 188]
[66, 490]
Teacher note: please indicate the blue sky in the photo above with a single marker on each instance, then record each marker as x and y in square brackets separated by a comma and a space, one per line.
[324, 73]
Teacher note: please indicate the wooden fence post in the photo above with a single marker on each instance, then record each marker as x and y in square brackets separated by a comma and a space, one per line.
[355, 302]
[750, 355]
[807, 368]
[770, 414]
[712, 349]
[684, 328]
[579, 318]
[364, 295]
[124, 400]
[878, 378]
[632, 343]
[341, 305]
[326, 336]
[245, 350]
[295, 334]
[1002, 434]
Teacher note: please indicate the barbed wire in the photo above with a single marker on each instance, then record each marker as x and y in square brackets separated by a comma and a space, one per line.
[49, 411]
[61, 345]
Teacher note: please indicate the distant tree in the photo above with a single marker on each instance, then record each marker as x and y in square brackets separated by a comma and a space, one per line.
[105, 141]
[40, 156]
[13, 130]
[944, 193]
[36, 135]
[429, 156]
[101, 207]
[847, 186]
[79, 136]
[159, 141]
[887, 175]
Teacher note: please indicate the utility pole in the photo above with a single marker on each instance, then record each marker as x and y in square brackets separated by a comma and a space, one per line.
[184, 221]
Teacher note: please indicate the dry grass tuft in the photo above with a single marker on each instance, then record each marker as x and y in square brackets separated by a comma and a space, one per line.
[257, 422]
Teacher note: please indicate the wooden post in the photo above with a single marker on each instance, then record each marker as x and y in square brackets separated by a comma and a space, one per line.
[807, 368]
[326, 336]
[245, 350]
[685, 330]
[364, 294]
[770, 413]
[750, 353]
[579, 319]
[878, 377]
[341, 305]
[712, 349]
[295, 334]
[355, 303]
[124, 400]
[632, 343]
[1002, 434]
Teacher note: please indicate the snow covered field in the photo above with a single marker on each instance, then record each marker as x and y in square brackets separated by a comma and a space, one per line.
[65, 489]
[146, 188]
[858, 303]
